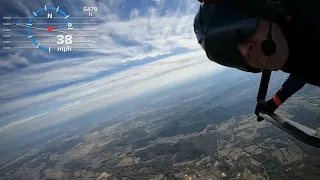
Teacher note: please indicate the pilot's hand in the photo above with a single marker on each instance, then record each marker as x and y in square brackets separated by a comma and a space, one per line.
[265, 106]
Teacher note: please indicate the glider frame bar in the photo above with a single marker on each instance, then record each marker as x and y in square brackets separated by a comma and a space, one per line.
[300, 132]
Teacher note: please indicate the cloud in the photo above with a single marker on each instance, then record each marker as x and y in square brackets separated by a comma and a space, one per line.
[157, 34]
[134, 13]
[11, 61]
[158, 2]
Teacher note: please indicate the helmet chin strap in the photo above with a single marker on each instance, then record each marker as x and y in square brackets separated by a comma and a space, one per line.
[268, 46]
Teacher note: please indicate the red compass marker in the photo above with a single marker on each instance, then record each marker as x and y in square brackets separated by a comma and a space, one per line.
[51, 28]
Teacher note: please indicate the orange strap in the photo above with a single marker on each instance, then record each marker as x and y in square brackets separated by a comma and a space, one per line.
[276, 100]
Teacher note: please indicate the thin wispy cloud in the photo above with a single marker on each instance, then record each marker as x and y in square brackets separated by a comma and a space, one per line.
[11, 61]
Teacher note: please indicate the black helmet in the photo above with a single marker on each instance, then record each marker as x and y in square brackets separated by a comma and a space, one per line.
[219, 29]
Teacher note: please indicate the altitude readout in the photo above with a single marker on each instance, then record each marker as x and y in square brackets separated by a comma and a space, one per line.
[90, 9]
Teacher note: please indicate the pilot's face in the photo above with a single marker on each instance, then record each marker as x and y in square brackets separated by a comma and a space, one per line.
[251, 49]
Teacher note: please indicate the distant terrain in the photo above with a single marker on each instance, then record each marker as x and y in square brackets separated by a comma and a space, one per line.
[199, 131]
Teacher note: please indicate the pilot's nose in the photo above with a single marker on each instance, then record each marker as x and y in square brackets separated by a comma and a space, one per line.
[245, 48]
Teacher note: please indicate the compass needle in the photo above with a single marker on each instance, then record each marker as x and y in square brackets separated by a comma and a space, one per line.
[51, 28]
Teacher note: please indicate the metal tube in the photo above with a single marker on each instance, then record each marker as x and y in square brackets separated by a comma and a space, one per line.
[264, 84]
[299, 131]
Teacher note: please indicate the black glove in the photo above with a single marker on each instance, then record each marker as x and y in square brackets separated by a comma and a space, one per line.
[265, 106]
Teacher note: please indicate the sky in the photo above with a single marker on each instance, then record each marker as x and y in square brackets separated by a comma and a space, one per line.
[143, 46]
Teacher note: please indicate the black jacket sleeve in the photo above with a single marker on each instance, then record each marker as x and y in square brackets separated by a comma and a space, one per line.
[289, 87]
